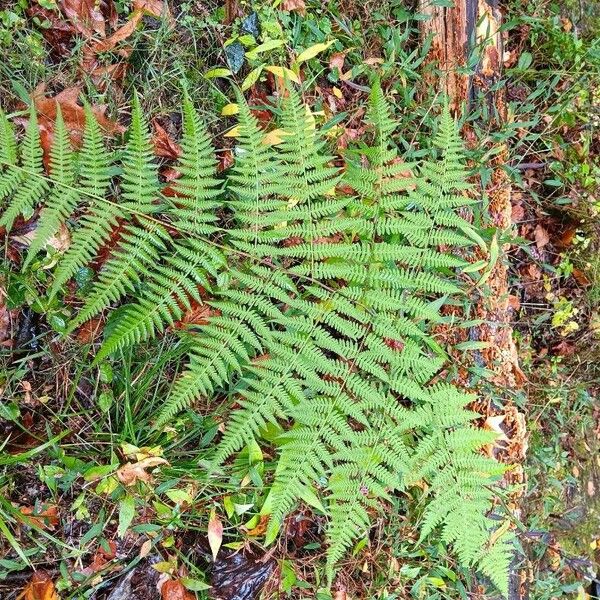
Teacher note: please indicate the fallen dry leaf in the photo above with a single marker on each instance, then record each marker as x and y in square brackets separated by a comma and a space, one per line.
[294, 5]
[60, 241]
[90, 62]
[130, 473]
[102, 557]
[89, 17]
[59, 33]
[45, 518]
[215, 533]
[541, 236]
[260, 528]
[155, 8]
[39, 587]
[173, 589]
[164, 145]
[336, 61]
[4, 318]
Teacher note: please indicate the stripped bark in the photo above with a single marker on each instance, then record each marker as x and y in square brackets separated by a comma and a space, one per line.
[473, 27]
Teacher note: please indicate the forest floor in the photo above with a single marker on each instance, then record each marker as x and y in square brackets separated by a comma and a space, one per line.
[64, 431]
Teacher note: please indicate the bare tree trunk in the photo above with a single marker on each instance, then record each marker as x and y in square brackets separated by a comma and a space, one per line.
[472, 28]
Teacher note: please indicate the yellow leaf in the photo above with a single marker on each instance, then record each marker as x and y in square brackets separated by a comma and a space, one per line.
[233, 132]
[230, 109]
[313, 51]
[283, 73]
[218, 72]
[251, 78]
[274, 137]
[337, 92]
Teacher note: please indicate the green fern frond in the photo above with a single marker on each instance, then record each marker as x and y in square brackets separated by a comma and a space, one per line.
[31, 186]
[64, 196]
[143, 240]
[197, 189]
[95, 226]
[10, 173]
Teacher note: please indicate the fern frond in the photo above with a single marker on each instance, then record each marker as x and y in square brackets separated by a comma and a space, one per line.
[31, 186]
[64, 196]
[144, 239]
[197, 189]
[102, 217]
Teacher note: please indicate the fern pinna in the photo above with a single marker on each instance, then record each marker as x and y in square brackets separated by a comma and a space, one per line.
[322, 304]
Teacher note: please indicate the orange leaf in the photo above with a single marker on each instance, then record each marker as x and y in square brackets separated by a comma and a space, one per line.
[46, 518]
[175, 590]
[39, 587]
[215, 533]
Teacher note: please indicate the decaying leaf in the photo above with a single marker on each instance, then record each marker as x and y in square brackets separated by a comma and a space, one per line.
[130, 473]
[4, 318]
[39, 587]
[215, 533]
[89, 17]
[541, 236]
[173, 589]
[164, 145]
[44, 518]
[294, 5]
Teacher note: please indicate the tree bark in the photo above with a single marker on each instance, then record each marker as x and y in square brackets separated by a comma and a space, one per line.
[472, 28]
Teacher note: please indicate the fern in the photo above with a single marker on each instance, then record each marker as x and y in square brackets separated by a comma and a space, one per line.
[101, 217]
[64, 196]
[321, 305]
[143, 239]
[10, 174]
[169, 288]
[28, 188]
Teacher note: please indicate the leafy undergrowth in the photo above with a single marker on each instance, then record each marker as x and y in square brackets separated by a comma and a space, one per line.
[92, 498]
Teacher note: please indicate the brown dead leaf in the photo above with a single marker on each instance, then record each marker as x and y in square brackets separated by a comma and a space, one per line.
[164, 145]
[336, 61]
[101, 558]
[58, 32]
[89, 17]
[340, 595]
[173, 589]
[60, 241]
[90, 62]
[39, 587]
[130, 473]
[541, 236]
[89, 331]
[581, 278]
[298, 6]
[198, 314]
[226, 160]
[154, 8]
[44, 518]
[517, 213]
